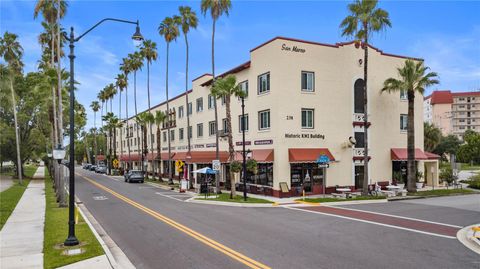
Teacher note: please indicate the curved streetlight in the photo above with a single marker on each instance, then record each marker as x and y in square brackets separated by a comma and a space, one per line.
[137, 36]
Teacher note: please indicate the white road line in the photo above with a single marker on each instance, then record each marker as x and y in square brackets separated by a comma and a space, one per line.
[376, 223]
[115, 179]
[395, 216]
[169, 197]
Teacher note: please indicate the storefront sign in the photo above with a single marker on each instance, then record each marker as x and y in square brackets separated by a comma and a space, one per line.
[211, 145]
[318, 136]
[197, 146]
[263, 142]
[285, 47]
[247, 143]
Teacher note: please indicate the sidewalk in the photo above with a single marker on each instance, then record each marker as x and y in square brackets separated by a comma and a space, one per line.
[21, 239]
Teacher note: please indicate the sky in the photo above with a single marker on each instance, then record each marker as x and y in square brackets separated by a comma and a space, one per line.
[444, 33]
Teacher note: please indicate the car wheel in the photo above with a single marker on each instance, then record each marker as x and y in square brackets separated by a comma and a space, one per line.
[142, 181]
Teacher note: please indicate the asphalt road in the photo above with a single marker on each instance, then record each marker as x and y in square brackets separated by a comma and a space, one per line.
[156, 229]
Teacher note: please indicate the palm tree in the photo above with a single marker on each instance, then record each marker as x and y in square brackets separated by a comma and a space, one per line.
[160, 118]
[95, 106]
[149, 52]
[102, 97]
[169, 30]
[110, 123]
[136, 63]
[126, 68]
[226, 88]
[121, 83]
[189, 20]
[217, 8]
[143, 119]
[413, 79]
[48, 8]
[12, 52]
[364, 19]
[432, 136]
[111, 92]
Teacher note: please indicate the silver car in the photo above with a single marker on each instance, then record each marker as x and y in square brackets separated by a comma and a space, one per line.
[134, 176]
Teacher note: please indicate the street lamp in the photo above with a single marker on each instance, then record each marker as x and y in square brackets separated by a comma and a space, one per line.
[72, 239]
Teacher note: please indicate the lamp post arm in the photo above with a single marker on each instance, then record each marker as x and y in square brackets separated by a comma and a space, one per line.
[100, 22]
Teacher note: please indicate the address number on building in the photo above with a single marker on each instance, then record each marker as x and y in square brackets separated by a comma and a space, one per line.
[216, 165]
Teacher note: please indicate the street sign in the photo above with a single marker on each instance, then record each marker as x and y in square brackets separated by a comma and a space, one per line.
[323, 165]
[323, 159]
[216, 165]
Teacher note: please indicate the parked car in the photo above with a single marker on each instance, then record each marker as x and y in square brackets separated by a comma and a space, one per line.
[92, 167]
[86, 166]
[101, 169]
[134, 176]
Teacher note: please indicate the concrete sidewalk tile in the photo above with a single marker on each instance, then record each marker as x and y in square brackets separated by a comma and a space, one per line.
[99, 262]
[21, 262]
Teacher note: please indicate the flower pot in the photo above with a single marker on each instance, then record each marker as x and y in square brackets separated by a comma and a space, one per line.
[419, 185]
[401, 185]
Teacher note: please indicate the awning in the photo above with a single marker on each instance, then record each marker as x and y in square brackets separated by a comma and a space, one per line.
[207, 156]
[309, 155]
[400, 154]
[259, 155]
[432, 156]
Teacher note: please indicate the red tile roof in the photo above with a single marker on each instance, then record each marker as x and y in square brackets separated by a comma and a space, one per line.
[441, 97]
[455, 94]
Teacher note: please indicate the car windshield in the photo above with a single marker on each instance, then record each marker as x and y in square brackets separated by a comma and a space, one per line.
[137, 173]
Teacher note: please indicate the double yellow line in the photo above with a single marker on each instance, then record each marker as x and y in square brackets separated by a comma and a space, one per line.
[207, 241]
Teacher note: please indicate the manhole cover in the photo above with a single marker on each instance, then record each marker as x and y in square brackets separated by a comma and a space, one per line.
[99, 198]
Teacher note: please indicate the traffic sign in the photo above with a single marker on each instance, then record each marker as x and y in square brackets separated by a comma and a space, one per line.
[216, 165]
[323, 159]
[323, 165]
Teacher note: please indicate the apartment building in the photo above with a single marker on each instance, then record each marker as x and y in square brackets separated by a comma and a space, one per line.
[304, 100]
[453, 112]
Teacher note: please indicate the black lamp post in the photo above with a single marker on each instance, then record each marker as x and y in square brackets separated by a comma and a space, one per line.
[72, 239]
[243, 151]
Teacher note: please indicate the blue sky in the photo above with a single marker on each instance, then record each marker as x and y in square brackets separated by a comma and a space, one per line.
[444, 33]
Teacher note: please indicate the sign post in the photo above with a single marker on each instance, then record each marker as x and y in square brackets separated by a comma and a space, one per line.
[216, 165]
[322, 162]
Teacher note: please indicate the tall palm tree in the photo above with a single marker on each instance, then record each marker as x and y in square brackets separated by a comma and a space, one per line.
[364, 18]
[136, 63]
[143, 120]
[217, 8]
[432, 136]
[121, 83]
[95, 106]
[226, 88]
[110, 123]
[12, 52]
[160, 118]
[126, 68]
[169, 30]
[189, 20]
[149, 53]
[102, 97]
[111, 92]
[413, 79]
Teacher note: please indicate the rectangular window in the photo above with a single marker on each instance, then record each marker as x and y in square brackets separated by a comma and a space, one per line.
[189, 108]
[190, 131]
[172, 135]
[244, 87]
[243, 123]
[360, 140]
[165, 136]
[211, 101]
[264, 120]
[180, 133]
[308, 81]
[403, 122]
[403, 95]
[211, 128]
[224, 100]
[180, 112]
[307, 118]
[200, 104]
[225, 127]
[200, 130]
[263, 83]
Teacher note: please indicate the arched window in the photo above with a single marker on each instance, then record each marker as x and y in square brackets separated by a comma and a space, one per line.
[359, 94]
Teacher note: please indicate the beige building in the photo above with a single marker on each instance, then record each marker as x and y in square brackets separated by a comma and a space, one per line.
[453, 112]
[305, 99]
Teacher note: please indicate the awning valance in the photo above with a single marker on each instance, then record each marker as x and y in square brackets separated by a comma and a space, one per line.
[310, 155]
[432, 156]
[400, 154]
[259, 155]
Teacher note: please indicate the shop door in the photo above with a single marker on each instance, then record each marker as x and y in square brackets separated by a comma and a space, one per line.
[359, 174]
[307, 180]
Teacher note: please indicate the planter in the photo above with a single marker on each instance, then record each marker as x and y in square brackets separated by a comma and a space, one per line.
[401, 185]
[419, 185]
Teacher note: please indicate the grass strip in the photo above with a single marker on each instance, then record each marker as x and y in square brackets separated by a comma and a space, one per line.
[225, 197]
[330, 199]
[442, 192]
[56, 231]
[9, 199]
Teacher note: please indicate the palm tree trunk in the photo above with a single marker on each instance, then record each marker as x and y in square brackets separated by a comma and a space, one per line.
[231, 149]
[95, 134]
[411, 170]
[128, 128]
[365, 119]
[120, 118]
[186, 101]
[159, 153]
[17, 136]
[136, 114]
[169, 168]
[63, 201]
[149, 111]
[217, 155]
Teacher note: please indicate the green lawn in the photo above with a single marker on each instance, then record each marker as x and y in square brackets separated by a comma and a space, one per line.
[56, 231]
[29, 170]
[9, 199]
[225, 197]
[329, 199]
[442, 192]
[466, 166]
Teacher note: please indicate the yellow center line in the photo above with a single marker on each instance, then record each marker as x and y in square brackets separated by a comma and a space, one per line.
[207, 241]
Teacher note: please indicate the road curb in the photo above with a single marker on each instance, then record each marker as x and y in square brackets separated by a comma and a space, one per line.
[193, 200]
[465, 236]
[406, 198]
[120, 260]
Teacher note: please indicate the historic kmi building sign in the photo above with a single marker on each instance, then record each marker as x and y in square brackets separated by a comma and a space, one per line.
[286, 47]
[318, 136]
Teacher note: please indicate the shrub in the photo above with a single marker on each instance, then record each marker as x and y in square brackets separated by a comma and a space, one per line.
[446, 174]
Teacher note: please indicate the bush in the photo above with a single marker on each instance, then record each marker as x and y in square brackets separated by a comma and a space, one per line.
[446, 174]
[474, 182]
